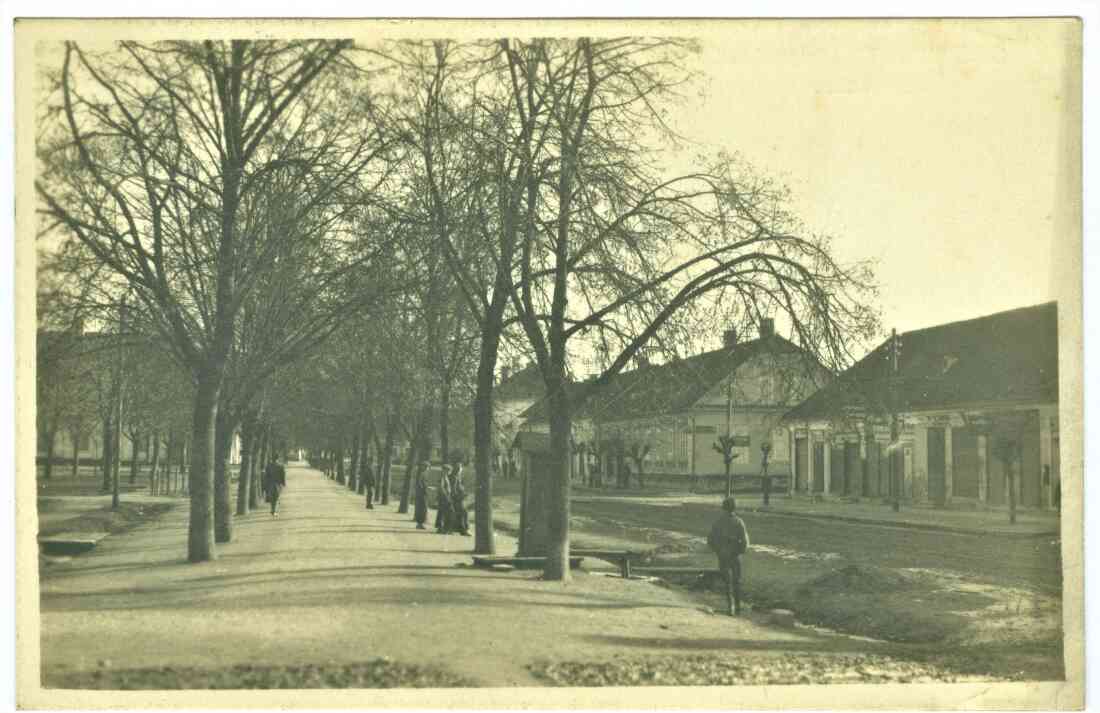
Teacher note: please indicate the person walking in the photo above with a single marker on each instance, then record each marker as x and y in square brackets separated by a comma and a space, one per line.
[443, 502]
[729, 539]
[420, 505]
[459, 517]
[274, 482]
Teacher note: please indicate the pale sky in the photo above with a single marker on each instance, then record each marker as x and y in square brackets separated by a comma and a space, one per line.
[943, 149]
[947, 150]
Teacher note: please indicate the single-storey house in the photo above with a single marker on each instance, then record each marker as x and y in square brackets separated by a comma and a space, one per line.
[661, 422]
[938, 414]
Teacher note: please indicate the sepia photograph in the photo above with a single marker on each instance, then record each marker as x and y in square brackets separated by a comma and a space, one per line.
[569, 363]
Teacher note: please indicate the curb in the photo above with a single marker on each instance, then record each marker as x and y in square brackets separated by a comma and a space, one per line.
[929, 527]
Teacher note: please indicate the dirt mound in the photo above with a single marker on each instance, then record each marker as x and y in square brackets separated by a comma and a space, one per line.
[861, 579]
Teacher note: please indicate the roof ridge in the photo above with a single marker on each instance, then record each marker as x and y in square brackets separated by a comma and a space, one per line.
[981, 318]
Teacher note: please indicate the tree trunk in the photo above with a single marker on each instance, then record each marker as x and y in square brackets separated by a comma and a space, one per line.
[154, 446]
[108, 453]
[134, 438]
[223, 505]
[76, 452]
[364, 461]
[183, 473]
[444, 419]
[200, 536]
[558, 485]
[384, 468]
[264, 451]
[353, 472]
[116, 464]
[51, 441]
[410, 464]
[484, 543]
[169, 449]
[255, 466]
[340, 461]
[244, 478]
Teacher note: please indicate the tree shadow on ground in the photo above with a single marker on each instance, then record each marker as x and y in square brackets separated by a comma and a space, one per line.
[351, 586]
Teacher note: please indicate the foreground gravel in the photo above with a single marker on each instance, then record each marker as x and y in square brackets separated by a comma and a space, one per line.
[379, 673]
[711, 670]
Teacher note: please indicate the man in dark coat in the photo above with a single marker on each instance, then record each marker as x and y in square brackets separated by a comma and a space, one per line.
[274, 482]
[420, 506]
[443, 502]
[368, 482]
[459, 517]
[730, 539]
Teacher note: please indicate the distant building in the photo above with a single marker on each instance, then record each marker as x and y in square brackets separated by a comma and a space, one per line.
[966, 396]
[665, 419]
[517, 390]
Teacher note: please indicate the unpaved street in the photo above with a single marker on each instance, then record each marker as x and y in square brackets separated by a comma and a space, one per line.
[329, 583]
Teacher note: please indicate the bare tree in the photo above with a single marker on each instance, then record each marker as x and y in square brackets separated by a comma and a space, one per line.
[155, 150]
[617, 252]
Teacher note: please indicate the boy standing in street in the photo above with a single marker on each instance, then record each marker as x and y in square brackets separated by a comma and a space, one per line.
[729, 539]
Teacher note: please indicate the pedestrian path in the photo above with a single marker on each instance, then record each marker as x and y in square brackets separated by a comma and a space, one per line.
[330, 582]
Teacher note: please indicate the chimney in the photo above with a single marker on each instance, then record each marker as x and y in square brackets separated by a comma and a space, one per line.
[729, 338]
[767, 327]
[641, 360]
[505, 373]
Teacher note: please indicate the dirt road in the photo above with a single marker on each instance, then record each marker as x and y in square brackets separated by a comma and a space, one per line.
[331, 583]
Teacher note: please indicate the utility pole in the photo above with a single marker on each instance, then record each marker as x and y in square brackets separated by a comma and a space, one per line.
[897, 462]
[766, 481]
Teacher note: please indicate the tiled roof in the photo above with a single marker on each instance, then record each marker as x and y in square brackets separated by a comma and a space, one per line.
[1005, 357]
[658, 389]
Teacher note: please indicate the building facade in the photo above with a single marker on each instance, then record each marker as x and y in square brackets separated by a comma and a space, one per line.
[662, 422]
[956, 413]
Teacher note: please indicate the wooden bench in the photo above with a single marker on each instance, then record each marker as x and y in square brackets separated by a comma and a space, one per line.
[620, 557]
[520, 562]
[70, 543]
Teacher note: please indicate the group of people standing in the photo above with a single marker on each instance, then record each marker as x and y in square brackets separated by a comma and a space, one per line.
[451, 515]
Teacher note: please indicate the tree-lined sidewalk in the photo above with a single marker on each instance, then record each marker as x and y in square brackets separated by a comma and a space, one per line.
[331, 584]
